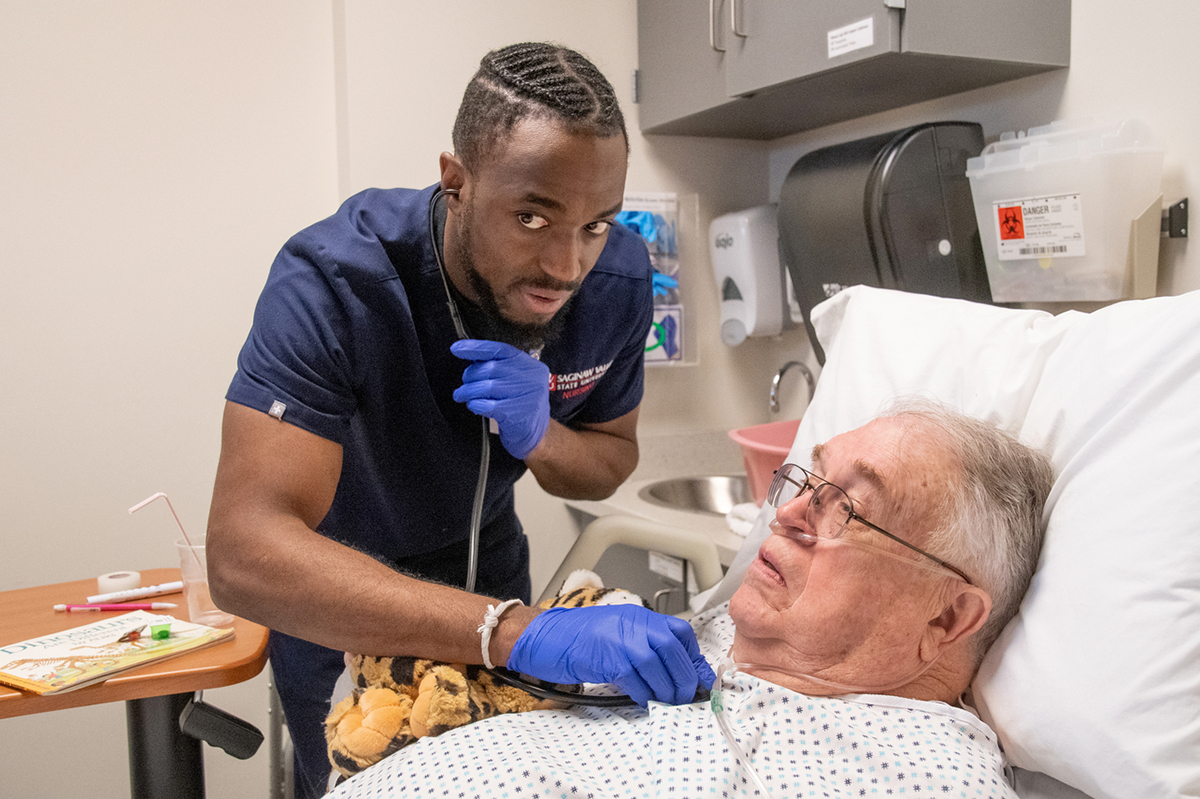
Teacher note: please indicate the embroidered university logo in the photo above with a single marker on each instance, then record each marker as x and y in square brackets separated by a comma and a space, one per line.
[574, 384]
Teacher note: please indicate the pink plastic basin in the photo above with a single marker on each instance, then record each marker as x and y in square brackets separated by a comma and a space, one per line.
[764, 449]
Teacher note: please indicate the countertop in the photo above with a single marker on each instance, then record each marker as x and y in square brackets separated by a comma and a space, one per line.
[677, 455]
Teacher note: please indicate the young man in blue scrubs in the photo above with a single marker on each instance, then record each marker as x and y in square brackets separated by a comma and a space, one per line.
[351, 439]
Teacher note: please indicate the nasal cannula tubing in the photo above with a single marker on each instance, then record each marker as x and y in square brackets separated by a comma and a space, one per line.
[485, 438]
[718, 710]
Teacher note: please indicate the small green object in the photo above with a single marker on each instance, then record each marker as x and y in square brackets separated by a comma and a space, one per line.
[160, 631]
[714, 701]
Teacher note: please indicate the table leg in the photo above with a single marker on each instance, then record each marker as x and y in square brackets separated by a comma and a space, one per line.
[163, 762]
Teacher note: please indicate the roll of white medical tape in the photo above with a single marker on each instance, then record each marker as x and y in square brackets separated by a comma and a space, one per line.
[118, 581]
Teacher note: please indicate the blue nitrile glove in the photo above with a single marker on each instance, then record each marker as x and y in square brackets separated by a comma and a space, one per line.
[663, 283]
[641, 222]
[509, 386]
[648, 655]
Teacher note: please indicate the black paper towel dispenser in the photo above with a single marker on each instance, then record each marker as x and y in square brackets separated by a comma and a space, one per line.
[892, 211]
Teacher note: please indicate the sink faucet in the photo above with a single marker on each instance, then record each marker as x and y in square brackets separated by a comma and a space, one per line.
[808, 377]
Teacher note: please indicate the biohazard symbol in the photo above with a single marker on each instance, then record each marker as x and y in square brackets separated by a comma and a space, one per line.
[1012, 223]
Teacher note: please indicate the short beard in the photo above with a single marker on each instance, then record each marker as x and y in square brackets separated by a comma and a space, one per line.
[483, 318]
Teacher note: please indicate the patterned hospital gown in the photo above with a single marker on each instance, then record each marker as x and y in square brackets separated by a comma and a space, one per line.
[801, 746]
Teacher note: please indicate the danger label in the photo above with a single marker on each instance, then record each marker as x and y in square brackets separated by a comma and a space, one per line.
[1039, 227]
[1012, 223]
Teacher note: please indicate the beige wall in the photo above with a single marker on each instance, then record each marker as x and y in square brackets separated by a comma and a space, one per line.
[153, 158]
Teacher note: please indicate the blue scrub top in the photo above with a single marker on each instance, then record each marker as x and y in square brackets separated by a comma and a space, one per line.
[352, 335]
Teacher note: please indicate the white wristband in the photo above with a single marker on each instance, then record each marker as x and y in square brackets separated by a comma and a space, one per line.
[490, 620]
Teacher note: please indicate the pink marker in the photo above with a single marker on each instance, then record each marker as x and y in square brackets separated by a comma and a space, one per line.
[124, 606]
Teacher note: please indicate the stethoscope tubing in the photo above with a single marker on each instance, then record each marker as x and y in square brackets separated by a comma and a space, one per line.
[485, 439]
[502, 674]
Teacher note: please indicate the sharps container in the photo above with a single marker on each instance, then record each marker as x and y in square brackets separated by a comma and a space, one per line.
[1056, 208]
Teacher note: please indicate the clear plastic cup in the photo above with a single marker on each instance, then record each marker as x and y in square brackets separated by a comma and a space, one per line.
[194, 567]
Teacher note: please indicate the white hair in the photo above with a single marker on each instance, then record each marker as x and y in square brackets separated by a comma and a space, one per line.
[992, 528]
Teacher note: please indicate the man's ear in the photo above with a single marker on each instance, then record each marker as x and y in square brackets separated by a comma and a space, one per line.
[454, 174]
[964, 614]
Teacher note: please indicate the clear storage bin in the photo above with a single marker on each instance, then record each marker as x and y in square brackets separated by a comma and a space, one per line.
[1055, 208]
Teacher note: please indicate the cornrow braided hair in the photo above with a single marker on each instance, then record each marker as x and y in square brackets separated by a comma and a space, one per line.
[531, 80]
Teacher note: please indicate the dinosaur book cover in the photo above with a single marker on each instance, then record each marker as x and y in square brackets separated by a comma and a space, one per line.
[71, 659]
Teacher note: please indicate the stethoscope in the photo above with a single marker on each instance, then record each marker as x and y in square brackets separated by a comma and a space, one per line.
[504, 675]
[511, 677]
[485, 437]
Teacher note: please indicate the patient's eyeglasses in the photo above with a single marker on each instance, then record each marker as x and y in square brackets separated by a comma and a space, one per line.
[830, 508]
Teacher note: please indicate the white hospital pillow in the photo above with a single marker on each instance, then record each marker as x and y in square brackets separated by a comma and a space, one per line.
[883, 344]
[1097, 681]
[1098, 684]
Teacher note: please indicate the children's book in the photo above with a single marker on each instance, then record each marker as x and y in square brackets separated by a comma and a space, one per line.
[71, 659]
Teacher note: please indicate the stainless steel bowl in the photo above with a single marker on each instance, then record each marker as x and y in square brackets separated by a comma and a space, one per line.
[716, 494]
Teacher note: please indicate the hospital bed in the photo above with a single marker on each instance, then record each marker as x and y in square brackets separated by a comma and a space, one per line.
[1094, 688]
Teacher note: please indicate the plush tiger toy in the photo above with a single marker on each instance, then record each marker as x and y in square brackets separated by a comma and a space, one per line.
[397, 700]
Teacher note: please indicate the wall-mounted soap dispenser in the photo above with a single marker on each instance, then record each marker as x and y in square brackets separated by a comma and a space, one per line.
[750, 277]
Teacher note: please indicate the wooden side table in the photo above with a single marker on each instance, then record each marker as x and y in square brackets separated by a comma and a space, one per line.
[164, 763]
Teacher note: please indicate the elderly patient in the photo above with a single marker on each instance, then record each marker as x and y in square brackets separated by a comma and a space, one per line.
[895, 559]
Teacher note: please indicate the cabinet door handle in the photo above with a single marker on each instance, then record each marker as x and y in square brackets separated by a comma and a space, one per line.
[712, 26]
[733, 19]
